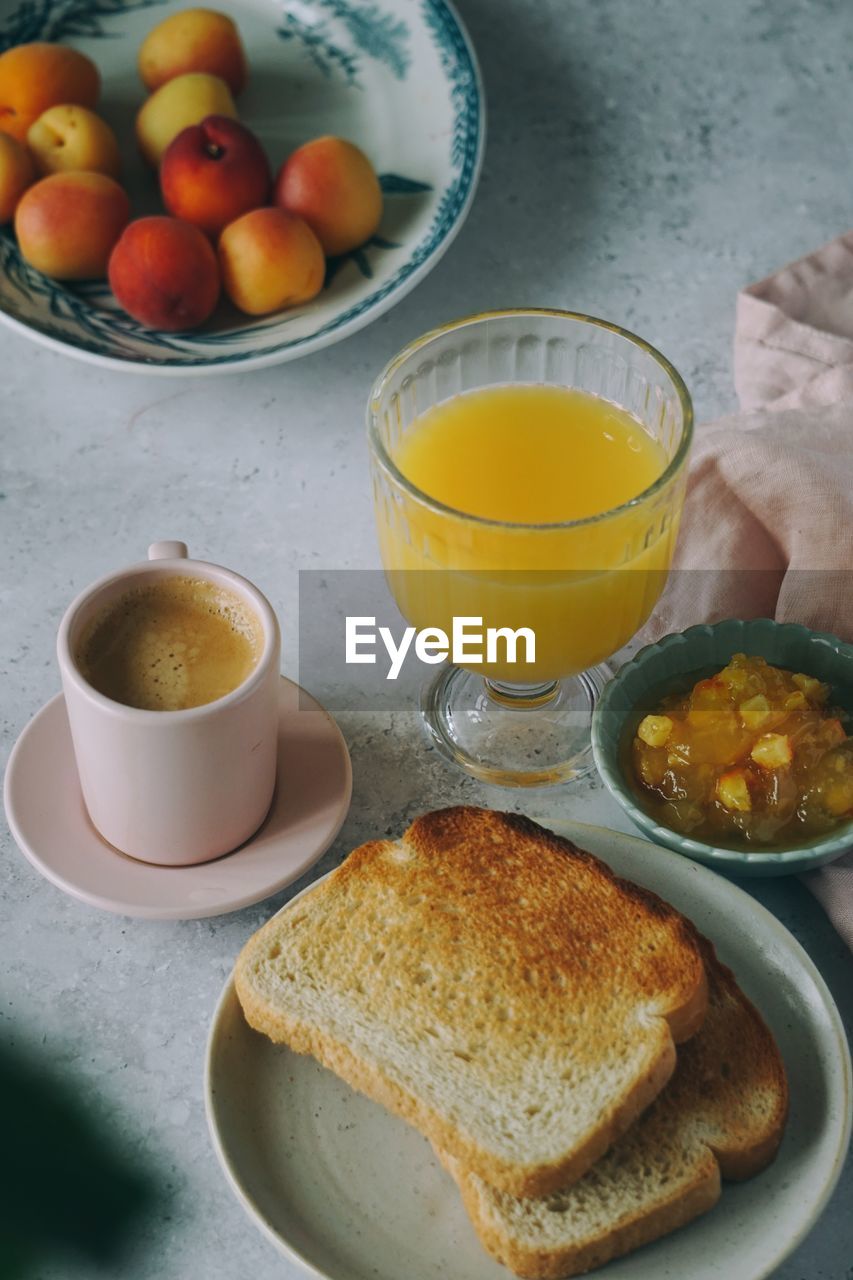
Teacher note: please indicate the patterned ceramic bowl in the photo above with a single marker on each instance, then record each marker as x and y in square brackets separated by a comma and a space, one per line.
[398, 77]
[673, 665]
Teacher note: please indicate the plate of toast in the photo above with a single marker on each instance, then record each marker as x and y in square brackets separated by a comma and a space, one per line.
[608, 1057]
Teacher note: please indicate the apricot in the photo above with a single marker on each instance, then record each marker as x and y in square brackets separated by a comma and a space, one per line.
[68, 223]
[163, 272]
[17, 172]
[177, 104]
[270, 259]
[66, 138]
[332, 185]
[213, 172]
[193, 40]
[36, 76]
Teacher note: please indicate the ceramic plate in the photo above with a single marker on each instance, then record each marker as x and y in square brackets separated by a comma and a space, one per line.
[47, 817]
[398, 77]
[341, 1186]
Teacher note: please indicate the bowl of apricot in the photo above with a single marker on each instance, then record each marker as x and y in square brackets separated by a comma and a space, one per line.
[732, 743]
[189, 190]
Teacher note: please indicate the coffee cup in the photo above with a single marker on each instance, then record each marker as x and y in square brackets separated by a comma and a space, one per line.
[170, 670]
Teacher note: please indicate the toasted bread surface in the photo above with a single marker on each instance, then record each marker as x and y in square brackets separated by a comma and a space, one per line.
[499, 988]
[722, 1113]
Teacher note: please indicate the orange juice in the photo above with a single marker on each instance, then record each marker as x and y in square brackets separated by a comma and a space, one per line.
[530, 454]
[527, 461]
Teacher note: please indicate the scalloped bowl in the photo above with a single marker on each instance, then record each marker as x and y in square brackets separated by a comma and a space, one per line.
[673, 665]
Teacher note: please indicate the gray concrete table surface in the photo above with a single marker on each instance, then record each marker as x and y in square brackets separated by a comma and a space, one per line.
[645, 161]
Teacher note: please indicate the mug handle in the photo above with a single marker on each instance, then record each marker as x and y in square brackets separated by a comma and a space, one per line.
[168, 551]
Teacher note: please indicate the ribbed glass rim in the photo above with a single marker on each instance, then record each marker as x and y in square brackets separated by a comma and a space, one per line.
[387, 463]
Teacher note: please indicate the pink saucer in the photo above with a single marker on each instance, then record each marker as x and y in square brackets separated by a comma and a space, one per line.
[48, 819]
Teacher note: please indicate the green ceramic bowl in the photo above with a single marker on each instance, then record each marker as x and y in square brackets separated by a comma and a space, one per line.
[673, 665]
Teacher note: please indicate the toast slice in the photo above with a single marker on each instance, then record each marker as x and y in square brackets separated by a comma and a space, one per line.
[722, 1113]
[492, 984]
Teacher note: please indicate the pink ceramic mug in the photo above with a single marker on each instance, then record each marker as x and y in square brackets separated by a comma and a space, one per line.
[174, 787]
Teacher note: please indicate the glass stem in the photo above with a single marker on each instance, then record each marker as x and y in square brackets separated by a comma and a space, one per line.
[521, 697]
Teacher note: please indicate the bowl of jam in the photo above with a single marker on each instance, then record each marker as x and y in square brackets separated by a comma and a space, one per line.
[732, 743]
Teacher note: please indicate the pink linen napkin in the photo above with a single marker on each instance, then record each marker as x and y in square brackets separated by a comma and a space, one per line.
[771, 488]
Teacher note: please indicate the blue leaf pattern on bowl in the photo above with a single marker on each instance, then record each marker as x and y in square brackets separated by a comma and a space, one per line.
[52, 20]
[376, 34]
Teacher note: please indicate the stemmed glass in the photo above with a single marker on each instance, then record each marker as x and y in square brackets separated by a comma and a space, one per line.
[584, 586]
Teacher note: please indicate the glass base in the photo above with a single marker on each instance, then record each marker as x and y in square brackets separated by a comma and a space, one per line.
[513, 735]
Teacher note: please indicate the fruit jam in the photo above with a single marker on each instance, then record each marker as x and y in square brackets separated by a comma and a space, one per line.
[752, 755]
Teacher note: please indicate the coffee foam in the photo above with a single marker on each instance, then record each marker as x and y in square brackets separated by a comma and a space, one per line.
[171, 643]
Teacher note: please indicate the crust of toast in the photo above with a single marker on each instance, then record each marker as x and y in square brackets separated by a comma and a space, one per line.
[516, 922]
[548, 1264]
[723, 1115]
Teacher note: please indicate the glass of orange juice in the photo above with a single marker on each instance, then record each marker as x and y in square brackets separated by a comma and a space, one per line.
[529, 470]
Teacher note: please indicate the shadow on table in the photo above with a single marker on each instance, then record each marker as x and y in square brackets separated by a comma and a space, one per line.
[69, 1190]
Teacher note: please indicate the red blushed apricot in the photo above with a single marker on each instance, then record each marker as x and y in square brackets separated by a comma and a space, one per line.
[193, 40]
[164, 273]
[214, 171]
[270, 259]
[332, 185]
[68, 223]
[36, 76]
